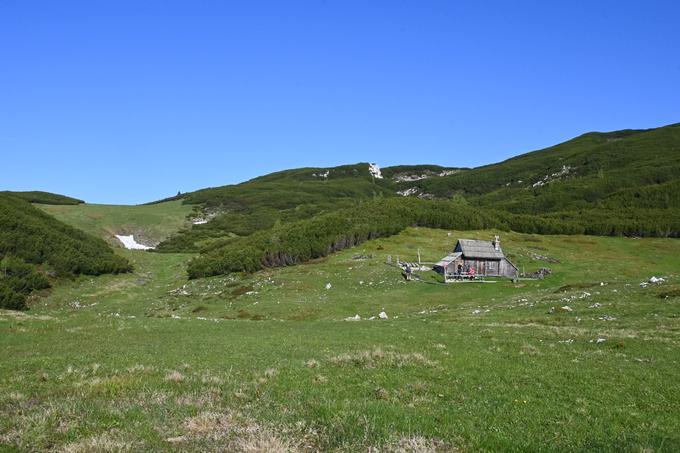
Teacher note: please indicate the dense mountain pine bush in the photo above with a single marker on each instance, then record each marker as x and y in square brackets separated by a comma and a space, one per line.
[34, 245]
[617, 183]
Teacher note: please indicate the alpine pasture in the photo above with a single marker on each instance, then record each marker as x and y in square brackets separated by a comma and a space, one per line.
[585, 359]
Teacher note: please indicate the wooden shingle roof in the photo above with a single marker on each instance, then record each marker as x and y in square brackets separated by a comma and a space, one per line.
[479, 249]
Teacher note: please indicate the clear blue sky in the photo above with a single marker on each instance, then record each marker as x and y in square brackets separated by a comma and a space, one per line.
[131, 101]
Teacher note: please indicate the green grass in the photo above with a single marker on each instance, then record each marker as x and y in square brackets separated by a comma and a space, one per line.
[36, 248]
[151, 361]
[281, 197]
[150, 224]
[44, 197]
[616, 183]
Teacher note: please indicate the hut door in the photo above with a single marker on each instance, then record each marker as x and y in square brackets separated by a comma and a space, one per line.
[492, 268]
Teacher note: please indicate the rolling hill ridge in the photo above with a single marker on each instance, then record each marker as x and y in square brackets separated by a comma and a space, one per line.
[615, 183]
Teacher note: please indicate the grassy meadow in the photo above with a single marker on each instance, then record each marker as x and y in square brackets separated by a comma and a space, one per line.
[268, 362]
[149, 224]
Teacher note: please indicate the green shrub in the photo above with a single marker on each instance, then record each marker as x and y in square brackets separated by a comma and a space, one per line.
[29, 239]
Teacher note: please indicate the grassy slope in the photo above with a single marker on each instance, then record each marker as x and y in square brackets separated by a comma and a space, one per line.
[149, 223]
[601, 164]
[436, 369]
[289, 195]
[622, 181]
[34, 246]
[45, 198]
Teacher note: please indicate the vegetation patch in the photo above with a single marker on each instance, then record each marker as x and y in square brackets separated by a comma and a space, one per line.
[575, 286]
[34, 244]
[241, 290]
[44, 198]
[669, 292]
[243, 314]
[377, 357]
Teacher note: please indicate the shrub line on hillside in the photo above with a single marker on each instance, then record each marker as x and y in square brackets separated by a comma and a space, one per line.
[33, 243]
[298, 242]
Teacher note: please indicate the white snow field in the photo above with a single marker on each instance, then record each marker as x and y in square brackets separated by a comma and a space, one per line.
[130, 243]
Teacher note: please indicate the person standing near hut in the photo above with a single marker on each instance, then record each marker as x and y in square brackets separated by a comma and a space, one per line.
[471, 273]
[409, 271]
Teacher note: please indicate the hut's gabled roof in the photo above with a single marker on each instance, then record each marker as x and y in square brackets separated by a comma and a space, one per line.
[471, 248]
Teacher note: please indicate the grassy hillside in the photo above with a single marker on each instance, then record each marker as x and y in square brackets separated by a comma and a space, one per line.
[617, 183]
[268, 361]
[45, 198]
[416, 172]
[579, 174]
[258, 204]
[150, 224]
[35, 246]
[298, 242]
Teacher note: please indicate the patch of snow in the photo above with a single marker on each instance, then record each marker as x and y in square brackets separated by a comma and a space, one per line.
[382, 315]
[374, 170]
[353, 318]
[130, 243]
[199, 221]
[322, 175]
[328, 286]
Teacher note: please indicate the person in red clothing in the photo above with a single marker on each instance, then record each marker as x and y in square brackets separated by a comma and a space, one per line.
[471, 273]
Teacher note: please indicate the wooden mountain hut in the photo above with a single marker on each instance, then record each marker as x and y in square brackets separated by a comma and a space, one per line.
[485, 257]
